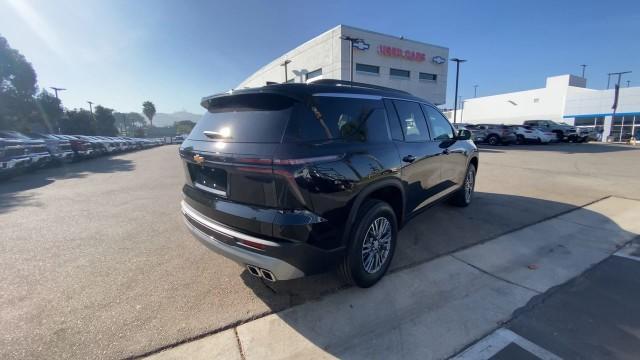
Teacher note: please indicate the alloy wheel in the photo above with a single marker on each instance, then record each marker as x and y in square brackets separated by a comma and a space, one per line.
[376, 245]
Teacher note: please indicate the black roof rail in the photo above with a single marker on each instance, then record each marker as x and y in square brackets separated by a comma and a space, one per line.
[356, 84]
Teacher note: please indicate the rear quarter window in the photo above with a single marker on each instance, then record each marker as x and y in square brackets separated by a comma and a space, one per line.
[333, 118]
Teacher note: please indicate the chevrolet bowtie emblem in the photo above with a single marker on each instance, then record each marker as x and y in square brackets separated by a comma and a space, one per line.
[198, 159]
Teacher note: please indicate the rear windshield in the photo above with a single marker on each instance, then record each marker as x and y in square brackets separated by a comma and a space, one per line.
[256, 118]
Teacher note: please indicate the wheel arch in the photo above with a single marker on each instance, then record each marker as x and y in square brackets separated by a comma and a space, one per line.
[389, 190]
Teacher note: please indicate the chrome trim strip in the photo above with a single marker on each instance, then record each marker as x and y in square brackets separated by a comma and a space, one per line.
[350, 95]
[211, 190]
[195, 215]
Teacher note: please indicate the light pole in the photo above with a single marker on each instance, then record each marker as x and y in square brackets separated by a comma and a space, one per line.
[584, 66]
[475, 90]
[628, 83]
[90, 108]
[351, 41]
[285, 63]
[455, 98]
[56, 89]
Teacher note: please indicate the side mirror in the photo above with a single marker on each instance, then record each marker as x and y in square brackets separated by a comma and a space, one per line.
[463, 134]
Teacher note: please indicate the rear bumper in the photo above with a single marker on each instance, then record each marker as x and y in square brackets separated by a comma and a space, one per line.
[40, 158]
[218, 237]
[64, 155]
[15, 163]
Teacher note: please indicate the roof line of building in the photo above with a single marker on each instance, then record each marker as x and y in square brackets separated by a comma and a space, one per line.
[603, 114]
[382, 34]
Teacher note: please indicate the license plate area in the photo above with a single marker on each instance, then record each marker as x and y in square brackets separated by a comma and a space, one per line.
[212, 180]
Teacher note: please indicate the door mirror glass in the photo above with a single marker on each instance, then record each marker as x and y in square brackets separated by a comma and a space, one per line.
[463, 134]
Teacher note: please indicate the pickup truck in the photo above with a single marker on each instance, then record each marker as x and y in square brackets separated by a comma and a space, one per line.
[564, 132]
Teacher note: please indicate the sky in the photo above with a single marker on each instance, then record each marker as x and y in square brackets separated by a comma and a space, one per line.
[119, 53]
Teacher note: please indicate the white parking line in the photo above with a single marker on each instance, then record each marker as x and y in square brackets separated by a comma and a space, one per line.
[629, 252]
[498, 340]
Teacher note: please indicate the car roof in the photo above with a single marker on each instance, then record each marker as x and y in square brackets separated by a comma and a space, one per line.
[303, 91]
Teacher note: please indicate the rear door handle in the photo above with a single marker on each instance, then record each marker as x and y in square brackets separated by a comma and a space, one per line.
[409, 158]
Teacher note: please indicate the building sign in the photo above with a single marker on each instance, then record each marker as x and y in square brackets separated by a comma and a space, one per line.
[360, 45]
[391, 51]
[438, 60]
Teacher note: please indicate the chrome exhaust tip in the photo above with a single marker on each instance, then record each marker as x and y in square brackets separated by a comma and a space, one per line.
[267, 275]
[254, 270]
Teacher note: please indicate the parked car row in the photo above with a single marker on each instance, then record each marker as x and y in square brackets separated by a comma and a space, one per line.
[36, 150]
[531, 131]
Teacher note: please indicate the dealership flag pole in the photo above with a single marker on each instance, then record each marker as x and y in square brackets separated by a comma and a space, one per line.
[616, 94]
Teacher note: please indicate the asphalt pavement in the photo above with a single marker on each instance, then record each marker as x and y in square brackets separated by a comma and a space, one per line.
[95, 261]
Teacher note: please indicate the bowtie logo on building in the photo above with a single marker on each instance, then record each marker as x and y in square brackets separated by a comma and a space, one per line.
[438, 60]
[360, 45]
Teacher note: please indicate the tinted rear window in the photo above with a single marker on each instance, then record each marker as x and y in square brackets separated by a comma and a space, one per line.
[331, 118]
[257, 118]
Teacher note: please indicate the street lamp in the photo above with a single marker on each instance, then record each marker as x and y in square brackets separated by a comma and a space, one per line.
[475, 90]
[455, 99]
[285, 63]
[351, 40]
[56, 89]
[90, 107]
[584, 66]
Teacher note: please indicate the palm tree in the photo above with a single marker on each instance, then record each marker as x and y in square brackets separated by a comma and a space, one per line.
[149, 111]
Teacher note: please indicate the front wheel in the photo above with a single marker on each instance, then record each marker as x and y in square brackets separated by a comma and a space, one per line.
[372, 244]
[463, 196]
[493, 140]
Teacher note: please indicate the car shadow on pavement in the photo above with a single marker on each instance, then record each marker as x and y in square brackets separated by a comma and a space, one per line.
[438, 231]
[12, 190]
[567, 148]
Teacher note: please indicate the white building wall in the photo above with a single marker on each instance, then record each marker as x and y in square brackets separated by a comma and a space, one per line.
[513, 108]
[329, 52]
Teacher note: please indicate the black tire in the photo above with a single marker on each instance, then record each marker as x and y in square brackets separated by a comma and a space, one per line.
[519, 139]
[352, 268]
[493, 140]
[460, 197]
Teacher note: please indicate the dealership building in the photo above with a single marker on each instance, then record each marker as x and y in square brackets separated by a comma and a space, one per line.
[378, 59]
[564, 98]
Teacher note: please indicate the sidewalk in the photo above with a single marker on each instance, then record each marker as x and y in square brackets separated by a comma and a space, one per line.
[436, 309]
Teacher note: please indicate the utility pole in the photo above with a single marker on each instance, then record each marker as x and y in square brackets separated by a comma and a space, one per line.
[455, 98]
[584, 66]
[285, 63]
[475, 90]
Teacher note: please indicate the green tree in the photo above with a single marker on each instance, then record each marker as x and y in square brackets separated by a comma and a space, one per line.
[184, 126]
[48, 113]
[128, 122]
[17, 87]
[105, 121]
[78, 121]
[149, 111]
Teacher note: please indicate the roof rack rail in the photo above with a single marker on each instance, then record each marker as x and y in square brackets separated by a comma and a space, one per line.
[356, 84]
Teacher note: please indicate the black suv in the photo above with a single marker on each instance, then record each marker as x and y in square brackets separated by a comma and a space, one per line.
[293, 179]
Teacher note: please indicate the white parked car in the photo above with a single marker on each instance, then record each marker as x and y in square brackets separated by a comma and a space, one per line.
[528, 134]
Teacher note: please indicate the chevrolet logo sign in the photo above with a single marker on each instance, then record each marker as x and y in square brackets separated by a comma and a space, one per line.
[198, 159]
